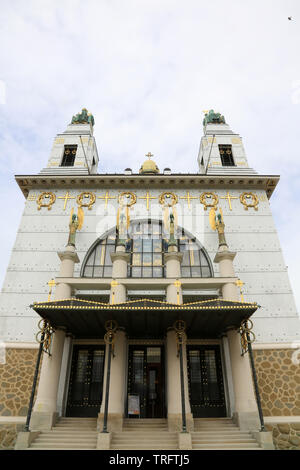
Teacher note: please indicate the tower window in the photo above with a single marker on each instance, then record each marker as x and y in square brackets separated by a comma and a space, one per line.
[69, 155]
[226, 155]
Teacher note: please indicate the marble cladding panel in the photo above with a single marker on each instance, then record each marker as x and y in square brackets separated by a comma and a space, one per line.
[282, 329]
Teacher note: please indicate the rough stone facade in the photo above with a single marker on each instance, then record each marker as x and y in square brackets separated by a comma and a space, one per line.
[8, 435]
[278, 381]
[16, 377]
[286, 436]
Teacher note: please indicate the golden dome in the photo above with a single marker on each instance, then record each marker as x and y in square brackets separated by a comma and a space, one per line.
[149, 166]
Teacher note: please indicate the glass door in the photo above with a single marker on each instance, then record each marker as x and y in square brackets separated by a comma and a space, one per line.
[86, 381]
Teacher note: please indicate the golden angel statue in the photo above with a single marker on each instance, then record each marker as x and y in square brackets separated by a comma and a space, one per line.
[76, 222]
[217, 223]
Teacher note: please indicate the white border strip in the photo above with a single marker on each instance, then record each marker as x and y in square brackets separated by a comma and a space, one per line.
[294, 345]
[22, 345]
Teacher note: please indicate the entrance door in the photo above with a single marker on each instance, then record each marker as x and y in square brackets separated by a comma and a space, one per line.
[146, 382]
[206, 389]
[86, 381]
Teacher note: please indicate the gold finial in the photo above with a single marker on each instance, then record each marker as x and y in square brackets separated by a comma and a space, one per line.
[149, 166]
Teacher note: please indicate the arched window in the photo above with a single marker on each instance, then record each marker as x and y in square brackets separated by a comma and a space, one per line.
[147, 246]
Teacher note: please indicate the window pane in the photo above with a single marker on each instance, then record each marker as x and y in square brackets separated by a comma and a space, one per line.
[185, 259]
[185, 272]
[137, 245]
[108, 271]
[98, 271]
[157, 246]
[206, 272]
[109, 249]
[136, 272]
[136, 259]
[91, 258]
[157, 260]
[196, 271]
[147, 246]
[157, 272]
[196, 257]
[203, 259]
[88, 271]
[147, 272]
[147, 259]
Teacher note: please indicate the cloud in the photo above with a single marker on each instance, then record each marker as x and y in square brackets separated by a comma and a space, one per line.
[147, 69]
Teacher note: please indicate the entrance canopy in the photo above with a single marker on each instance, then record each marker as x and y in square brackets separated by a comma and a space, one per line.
[145, 318]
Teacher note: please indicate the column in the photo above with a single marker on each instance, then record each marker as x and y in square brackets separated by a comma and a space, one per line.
[245, 413]
[117, 388]
[120, 261]
[45, 412]
[172, 261]
[174, 295]
[174, 386]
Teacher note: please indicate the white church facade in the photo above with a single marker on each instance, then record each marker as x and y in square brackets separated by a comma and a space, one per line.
[148, 303]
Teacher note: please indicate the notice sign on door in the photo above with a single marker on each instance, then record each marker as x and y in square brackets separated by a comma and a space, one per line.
[133, 404]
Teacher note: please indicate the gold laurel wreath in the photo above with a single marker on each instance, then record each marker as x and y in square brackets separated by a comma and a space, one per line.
[46, 195]
[245, 196]
[91, 196]
[213, 198]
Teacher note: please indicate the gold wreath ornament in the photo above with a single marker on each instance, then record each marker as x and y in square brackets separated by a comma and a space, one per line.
[128, 195]
[86, 195]
[168, 198]
[209, 200]
[244, 198]
[51, 198]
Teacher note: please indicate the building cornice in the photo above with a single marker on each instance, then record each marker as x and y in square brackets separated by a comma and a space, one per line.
[181, 180]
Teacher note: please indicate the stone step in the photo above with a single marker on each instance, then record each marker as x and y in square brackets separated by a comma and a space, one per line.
[137, 446]
[61, 446]
[71, 432]
[124, 440]
[81, 426]
[224, 440]
[213, 435]
[65, 439]
[229, 446]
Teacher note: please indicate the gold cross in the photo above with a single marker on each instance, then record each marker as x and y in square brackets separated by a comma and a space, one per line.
[229, 197]
[149, 155]
[188, 198]
[66, 197]
[240, 284]
[147, 197]
[51, 284]
[106, 198]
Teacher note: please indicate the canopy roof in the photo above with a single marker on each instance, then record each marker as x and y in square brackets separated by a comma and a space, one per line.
[145, 318]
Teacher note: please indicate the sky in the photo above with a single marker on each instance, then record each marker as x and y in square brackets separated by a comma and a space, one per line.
[147, 69]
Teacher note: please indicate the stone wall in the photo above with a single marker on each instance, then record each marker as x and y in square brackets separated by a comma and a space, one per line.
[16, 378]
[278, 381]
[8, 435]
[286, 436]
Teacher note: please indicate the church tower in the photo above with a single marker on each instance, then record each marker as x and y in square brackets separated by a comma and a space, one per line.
[148, 309]
[221, 150]
[75, 150]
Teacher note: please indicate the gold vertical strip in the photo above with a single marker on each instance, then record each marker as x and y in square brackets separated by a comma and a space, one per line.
[191, 252]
